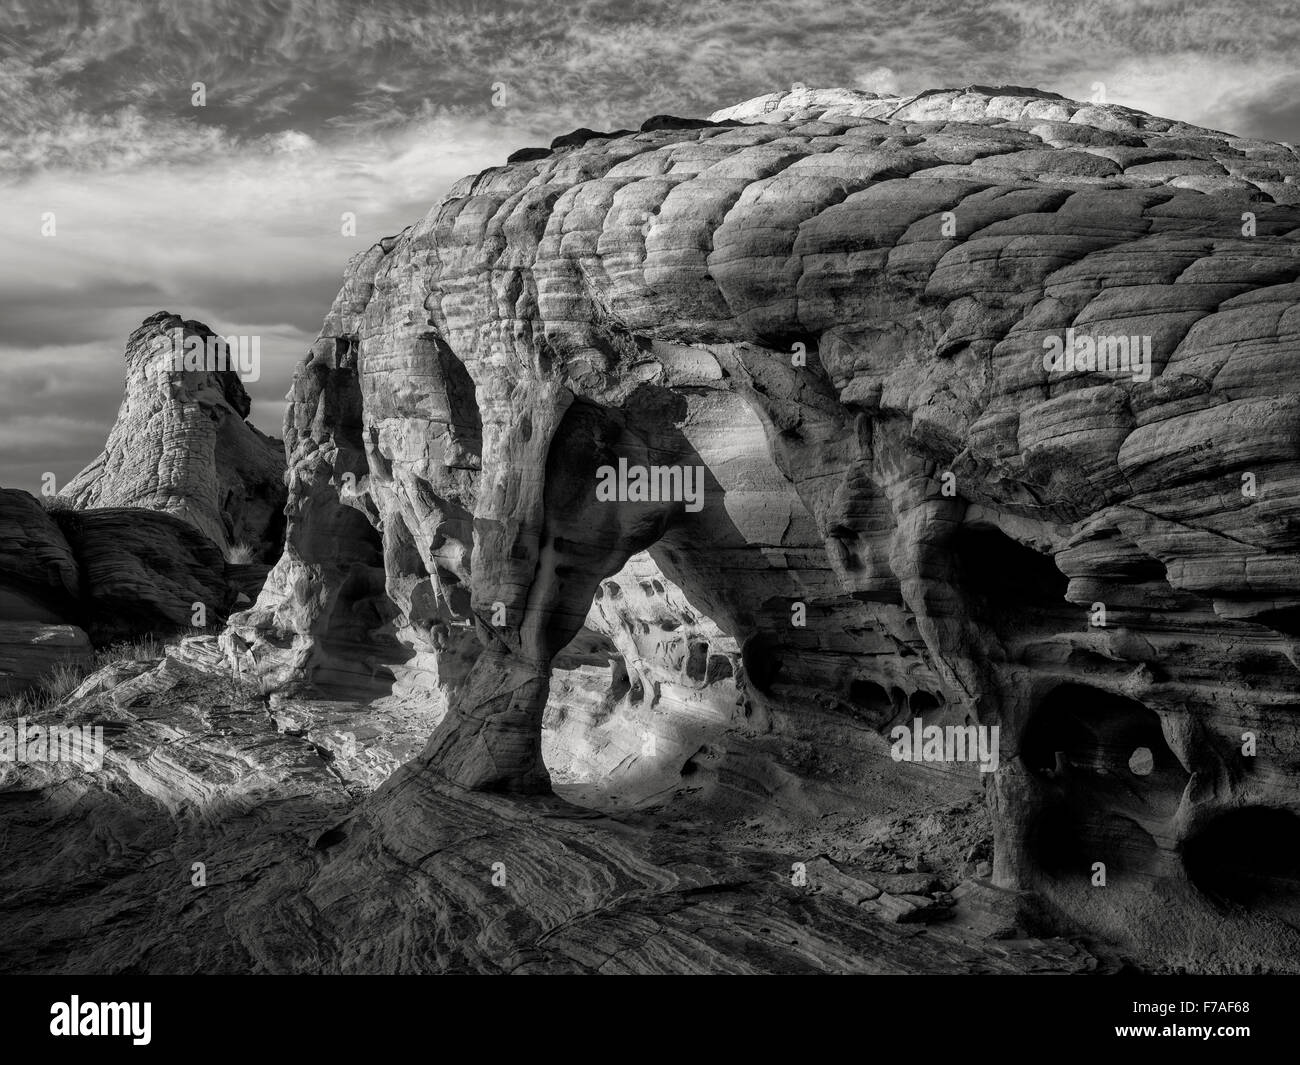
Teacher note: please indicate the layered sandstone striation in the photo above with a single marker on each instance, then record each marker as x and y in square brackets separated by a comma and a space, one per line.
[74, 580]
[181, 444]
[837, 304]
[216, 838]
[836, 307]
[40, 587]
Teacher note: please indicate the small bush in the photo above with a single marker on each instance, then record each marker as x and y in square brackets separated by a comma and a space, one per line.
[58, 684]
[239, 554]
[62, 681]
[145, 647]
[15, 706]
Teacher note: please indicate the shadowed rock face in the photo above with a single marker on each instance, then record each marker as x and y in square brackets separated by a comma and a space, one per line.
[40, 589]
[73, 579]
[838, 306]
[181, 445]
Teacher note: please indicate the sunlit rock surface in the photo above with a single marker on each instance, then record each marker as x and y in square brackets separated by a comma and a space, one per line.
[837, 307]
[181, 444]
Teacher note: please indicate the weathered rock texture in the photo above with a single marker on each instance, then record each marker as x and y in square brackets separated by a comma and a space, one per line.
[181, 446]
[641, 697]
[73, 579]
[836, 303]
[172, 527]
[40, 589]
[297, 877]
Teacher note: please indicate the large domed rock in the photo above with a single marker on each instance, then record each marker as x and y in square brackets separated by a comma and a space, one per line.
[842, 308]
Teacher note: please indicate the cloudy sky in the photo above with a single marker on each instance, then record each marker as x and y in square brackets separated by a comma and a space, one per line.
[230, 212]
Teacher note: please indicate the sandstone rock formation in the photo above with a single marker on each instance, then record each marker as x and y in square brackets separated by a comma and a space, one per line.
[181, 444]
[837, 306]
[639, 697]
[40, 588]
[145, 572]
[174, 525]
[71, 580]
[200, 776]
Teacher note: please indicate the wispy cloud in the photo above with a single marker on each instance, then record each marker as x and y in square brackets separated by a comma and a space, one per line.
[230, 212]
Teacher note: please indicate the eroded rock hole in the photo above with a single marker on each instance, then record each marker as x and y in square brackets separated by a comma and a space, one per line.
[1005, 575]
[697, 660]
[922, 703]
[719, 668]
[1065, 846]
[1111, 784]
[330, 838]
[1286, 621]
[619, 684]
[872, 702]
[1082, 729]
[761, 662]
[1146, 570]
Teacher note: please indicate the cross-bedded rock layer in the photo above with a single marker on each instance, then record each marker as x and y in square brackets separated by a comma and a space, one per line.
[837, 305]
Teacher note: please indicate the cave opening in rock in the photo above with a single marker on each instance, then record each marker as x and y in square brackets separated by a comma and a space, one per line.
[1285, 620]
[619, 685]
[1249, 857]
[647, 683]
[1111, 784]
[875, 706]
[762, 661]
[1066, 846]
[1006, 576]
[922, 703]
[870, 697]
[1081, 728]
